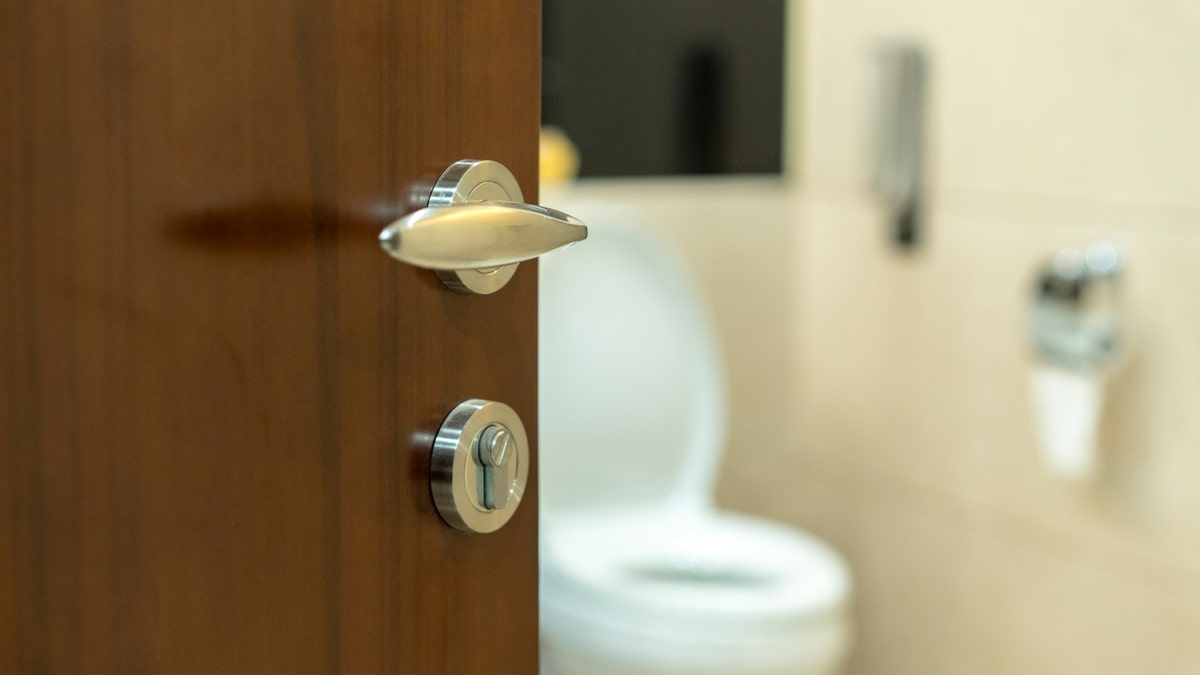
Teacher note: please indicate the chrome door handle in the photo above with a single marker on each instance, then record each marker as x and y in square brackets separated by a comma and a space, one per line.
[476, 229]
[479, 236]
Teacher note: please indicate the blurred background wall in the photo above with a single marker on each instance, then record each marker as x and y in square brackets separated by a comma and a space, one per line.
[880, 400]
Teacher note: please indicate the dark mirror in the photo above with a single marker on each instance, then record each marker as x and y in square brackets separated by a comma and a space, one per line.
[650, 87]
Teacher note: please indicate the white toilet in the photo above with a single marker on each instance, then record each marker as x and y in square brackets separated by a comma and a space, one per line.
[640, 573]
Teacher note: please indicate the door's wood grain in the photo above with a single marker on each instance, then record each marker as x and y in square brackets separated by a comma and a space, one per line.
[216, 394]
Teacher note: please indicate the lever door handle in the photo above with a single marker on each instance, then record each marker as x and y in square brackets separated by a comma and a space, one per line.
[479, 236]
[476, 230]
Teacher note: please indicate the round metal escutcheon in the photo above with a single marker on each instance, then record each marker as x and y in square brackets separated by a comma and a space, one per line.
[474, 180]
[455, 469]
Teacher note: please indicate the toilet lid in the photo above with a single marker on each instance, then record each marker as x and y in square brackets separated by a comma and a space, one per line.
[631, 399]
[713, 576]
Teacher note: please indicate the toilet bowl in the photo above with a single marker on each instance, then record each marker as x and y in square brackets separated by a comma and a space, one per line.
[640, 573]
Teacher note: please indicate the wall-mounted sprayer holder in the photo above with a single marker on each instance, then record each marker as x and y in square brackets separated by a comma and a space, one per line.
[899, 166]
[1079, 339]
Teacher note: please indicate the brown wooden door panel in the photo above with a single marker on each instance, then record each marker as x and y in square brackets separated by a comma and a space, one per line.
[217, 394]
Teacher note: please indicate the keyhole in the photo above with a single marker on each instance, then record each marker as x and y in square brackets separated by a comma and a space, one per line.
[493, 453]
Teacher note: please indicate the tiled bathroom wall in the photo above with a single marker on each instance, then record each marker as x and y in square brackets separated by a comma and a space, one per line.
[912, 450]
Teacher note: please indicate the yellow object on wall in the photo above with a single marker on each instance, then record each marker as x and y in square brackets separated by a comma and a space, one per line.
[559, 158]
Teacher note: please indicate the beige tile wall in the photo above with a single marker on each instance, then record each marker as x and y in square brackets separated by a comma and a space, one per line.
[1052, 123]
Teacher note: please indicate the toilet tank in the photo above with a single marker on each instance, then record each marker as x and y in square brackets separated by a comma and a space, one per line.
[631, 388]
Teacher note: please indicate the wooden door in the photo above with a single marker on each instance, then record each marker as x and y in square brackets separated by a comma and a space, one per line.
[217, 394]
